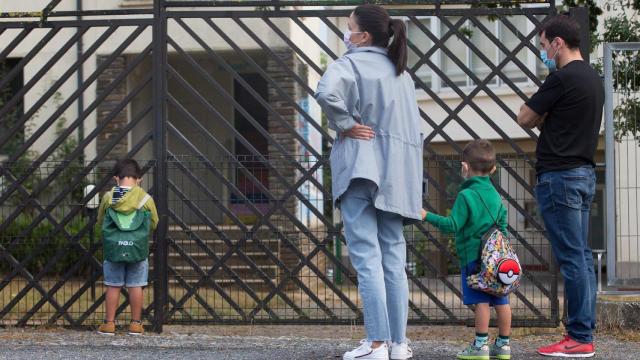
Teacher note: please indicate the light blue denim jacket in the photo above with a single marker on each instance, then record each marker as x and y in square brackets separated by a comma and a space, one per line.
[362, 87]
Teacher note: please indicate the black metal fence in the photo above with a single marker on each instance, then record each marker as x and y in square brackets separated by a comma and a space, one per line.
[219, 96]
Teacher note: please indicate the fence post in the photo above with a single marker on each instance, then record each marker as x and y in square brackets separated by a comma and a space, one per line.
[581, 15]
[159, 58]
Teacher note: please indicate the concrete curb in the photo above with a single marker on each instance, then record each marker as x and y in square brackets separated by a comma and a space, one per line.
[619, 314]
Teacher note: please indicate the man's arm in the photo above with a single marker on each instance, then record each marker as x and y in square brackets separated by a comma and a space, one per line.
[534, 112]
[529, 118]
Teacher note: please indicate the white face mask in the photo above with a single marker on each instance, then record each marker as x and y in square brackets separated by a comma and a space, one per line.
[347, 39]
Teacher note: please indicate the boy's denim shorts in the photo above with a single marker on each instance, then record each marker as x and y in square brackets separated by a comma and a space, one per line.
[126, 274]
[471, 296]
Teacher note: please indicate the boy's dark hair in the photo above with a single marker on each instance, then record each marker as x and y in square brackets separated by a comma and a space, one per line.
[563, 27]
[127, 168]
[480, 155]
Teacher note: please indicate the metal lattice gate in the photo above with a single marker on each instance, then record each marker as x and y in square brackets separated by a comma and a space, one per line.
[215, 100]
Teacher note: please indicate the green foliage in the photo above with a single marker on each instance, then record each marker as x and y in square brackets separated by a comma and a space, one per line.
[326, 170]
[21, 239]
[421, 243]
[23, 165]
[624, 26]
[16, 170]
[594, 12]
[453, 267]
[72, 167]
[44, 244]
[627, 119]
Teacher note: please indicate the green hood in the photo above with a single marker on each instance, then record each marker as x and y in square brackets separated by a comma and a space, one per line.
[128, 203]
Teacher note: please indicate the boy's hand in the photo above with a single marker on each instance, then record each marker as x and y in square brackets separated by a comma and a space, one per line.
[424, 214]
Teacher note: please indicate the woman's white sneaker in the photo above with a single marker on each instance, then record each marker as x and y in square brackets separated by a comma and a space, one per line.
[401, 351]
[366, 352]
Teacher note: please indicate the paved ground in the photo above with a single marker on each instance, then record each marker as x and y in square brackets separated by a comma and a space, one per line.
[268, 342]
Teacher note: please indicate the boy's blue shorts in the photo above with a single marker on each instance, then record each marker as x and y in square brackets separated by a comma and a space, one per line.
[124, 274]
[471, 296]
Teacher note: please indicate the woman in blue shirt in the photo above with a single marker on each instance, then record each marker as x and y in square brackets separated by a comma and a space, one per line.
[376, 163]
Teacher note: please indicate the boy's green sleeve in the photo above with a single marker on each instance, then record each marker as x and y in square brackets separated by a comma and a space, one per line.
[503, 221]
[151, 206]
[454, 222]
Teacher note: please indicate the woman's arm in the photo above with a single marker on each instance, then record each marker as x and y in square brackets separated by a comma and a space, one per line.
[337, 95]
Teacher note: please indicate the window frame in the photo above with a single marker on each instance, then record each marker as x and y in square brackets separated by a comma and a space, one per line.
[435, 26]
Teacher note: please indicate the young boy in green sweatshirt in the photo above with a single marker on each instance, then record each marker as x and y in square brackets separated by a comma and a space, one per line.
[126, 197]
[477, 208]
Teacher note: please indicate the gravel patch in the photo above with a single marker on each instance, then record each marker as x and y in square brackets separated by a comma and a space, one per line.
[189, 343]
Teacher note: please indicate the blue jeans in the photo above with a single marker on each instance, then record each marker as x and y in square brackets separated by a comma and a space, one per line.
[126, 274]
[378, 252]
[564, 201]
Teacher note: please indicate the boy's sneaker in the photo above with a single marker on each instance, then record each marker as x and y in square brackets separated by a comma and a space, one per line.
[502, 353]
[474, 353]
[400, 351]
[107, 328]
[568, 348]
[136, 328]
[366, 352]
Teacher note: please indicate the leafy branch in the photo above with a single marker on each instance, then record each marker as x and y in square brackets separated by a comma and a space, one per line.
[624, 26]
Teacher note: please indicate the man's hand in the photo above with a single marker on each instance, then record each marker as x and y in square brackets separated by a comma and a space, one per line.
[424, 214]
[540, 123]
[360, 132]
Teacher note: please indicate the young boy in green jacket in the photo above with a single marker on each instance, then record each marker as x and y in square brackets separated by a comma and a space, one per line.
[470, 219]
[125, 197]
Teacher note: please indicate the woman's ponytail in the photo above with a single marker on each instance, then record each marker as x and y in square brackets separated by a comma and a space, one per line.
[376, 21]
[398, 48]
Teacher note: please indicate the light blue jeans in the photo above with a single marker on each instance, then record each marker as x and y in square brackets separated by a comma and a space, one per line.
[377, 250]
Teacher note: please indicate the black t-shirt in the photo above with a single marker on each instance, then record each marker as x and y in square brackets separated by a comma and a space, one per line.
[573, 96]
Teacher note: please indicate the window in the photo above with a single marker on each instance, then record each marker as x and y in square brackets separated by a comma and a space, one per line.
[420, 40]
[511, 41]
[459, 52]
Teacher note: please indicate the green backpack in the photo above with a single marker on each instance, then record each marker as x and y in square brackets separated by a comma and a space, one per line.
[126, 236]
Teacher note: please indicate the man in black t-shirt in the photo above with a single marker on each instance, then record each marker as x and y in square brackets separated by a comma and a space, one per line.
[568, 110]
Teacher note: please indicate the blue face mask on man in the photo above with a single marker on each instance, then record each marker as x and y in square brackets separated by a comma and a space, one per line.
[550, 63]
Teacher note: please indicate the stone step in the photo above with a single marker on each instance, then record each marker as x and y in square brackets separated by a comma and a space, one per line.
[205, 261]
[219, 281]
[245, 272]
[231, 232]
[220, 246]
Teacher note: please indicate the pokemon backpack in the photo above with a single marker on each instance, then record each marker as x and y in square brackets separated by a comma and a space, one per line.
[499, 270]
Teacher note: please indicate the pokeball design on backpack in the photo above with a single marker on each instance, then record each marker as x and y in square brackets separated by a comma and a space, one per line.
[508, 271]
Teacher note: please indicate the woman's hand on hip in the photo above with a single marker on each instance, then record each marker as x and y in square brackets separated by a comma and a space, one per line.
[360, 132]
